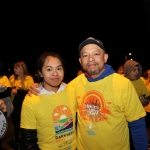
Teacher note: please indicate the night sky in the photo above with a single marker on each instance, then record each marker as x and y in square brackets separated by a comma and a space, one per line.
[29, 29]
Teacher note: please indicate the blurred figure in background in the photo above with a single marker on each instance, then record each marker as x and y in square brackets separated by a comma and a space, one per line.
[79, 72]
[133, 71]
[146, 79]
[20, 82]
[5, 93]
[120, 70]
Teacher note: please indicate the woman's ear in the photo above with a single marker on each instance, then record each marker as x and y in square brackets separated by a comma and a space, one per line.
[40, 74]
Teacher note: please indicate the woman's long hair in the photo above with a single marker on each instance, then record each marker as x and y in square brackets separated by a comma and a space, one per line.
[22, 65]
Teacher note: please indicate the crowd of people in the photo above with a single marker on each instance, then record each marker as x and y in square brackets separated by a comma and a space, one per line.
[98, 110]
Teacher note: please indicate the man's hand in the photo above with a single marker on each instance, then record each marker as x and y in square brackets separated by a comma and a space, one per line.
[144, 102]
[33, 89]
[2, 106]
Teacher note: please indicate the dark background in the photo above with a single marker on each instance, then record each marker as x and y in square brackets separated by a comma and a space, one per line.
[27, 29]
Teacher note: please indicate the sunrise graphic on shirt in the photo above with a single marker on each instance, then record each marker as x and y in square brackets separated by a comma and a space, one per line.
[93, 107]
[63, 121]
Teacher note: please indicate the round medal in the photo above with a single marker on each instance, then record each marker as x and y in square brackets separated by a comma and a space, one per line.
[3, 124]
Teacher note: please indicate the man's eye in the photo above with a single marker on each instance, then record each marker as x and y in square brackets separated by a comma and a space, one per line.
[84, 55]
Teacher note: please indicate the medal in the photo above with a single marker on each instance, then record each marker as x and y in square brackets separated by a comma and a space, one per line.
[3, 124]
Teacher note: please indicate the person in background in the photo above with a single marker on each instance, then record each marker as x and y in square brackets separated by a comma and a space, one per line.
[79, 72]
[20, 82]
[108, 105]
[48, 120]
[146, 79]
[5, 93]
[133, 71]
[3, 108]
[120, 70]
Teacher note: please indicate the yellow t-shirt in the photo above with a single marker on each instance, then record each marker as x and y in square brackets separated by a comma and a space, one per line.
[4, 80]
[54, 117]
[17, 82]
[104, 108]
[147, 83]
[141, 89]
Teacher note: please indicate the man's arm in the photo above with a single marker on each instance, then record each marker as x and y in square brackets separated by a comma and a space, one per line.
[139, 134]
[144, 100]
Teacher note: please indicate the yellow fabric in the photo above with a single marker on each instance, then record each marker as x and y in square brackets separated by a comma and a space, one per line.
[27, 82]
[141, 89]
[104, 107]
[147, 83]
[4, 80]
[54, 118]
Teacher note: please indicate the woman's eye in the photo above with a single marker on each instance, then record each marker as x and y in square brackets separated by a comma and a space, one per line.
[59, 68]
[48, 69]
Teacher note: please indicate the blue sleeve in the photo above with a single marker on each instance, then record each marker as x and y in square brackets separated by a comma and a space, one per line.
[139, 134]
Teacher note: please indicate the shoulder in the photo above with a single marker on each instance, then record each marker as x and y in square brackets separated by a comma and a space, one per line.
[120, 79]
[12, 77]
[29, 77]
[77, 80]
[31, 99]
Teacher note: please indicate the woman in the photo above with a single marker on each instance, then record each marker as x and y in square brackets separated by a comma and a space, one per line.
[20, 82]
[146, 79]
[133, 71]
[48, 120]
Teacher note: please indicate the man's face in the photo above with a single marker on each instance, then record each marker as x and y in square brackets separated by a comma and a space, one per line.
[93, 59]
[134, 74]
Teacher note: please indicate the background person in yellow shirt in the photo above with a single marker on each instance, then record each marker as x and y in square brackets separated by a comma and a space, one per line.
[20, 82]
[133, 71]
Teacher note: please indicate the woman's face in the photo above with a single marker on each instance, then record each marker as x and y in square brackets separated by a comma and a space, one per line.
[18, 70]
[52, 73]
[134, 74]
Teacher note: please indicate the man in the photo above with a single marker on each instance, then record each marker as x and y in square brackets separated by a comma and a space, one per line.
[108, 104]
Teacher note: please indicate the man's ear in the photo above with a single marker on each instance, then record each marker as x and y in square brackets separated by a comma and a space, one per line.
[105, 57]
[80, 61]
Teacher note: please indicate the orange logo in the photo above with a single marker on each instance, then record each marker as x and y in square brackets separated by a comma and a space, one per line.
[93, 107]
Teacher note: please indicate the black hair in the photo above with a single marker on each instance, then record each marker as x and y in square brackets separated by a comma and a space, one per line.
[42, 58]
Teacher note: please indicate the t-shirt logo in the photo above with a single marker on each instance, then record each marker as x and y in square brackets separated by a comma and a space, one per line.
[63, 123]
[93, 107]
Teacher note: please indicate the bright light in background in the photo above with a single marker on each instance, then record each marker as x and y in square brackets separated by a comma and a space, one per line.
[128, 57]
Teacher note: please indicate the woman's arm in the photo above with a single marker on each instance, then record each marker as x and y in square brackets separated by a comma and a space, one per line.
[29, 139]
